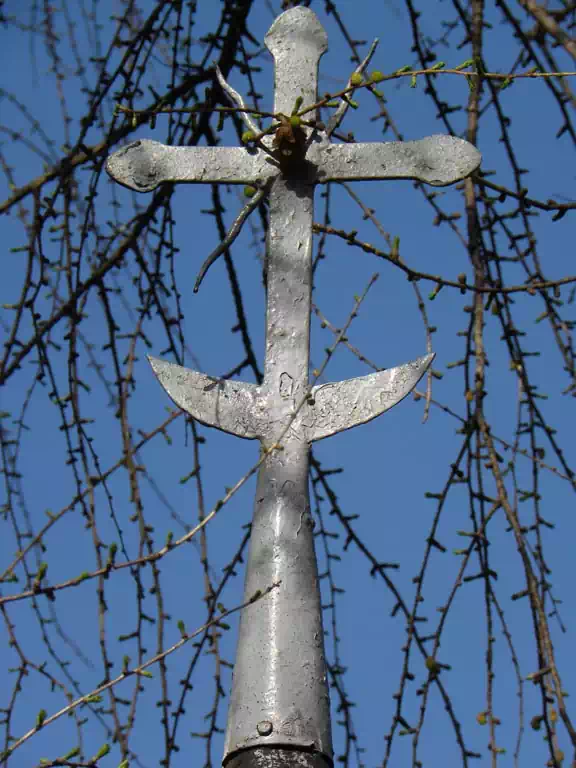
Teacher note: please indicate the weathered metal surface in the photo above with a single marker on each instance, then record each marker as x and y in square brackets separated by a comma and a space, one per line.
[145, 164]
[436, 160]
[336, 406]
[247, 410]
[280, 693]
[231, 406]
[261, 757]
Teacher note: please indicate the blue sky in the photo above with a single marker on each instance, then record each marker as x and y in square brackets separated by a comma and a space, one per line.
[389, 464]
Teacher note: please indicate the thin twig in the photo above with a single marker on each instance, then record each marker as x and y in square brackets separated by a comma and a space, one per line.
[414, 274]
[338, 116]
[235, 96]
[232, 234]
[137, 670]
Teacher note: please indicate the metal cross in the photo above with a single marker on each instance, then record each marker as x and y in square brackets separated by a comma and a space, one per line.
[280, 692]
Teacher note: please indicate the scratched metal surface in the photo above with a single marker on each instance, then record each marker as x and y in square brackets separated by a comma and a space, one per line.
[280, 693]
[436, 160]
[247, 410]
[145, 164]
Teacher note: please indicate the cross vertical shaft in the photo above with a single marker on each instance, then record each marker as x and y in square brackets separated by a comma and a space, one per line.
[284, 632]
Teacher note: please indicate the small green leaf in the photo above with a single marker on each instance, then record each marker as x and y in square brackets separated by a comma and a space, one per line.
[413, 81]
[102, 752]
[248, 136]
[73, 753]
[40, 717]
[356, 78]
[438, 65]
[295, 121]
[467, 63]
[297, 104]
[405, 68]
[42, 568]
[182, 627]
[377, 76]
[145, 673]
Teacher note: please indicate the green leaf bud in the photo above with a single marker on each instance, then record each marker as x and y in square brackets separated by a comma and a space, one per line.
[248, 136]
[377, 76]
[467, 63]
[295, 121]
[102, 752]
[297, 104]
[356, 78]
[432, 665]
[249, 191]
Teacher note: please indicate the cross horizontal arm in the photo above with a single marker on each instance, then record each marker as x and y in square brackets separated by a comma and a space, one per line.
[145, 164]
[436, 160]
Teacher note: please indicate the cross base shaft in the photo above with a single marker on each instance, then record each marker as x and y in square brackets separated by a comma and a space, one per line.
[280, 691]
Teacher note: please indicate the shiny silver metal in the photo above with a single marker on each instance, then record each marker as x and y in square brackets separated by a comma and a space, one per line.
[436, 160]
[280, 692]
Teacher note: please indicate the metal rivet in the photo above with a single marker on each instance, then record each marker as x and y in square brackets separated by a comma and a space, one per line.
[265, 728]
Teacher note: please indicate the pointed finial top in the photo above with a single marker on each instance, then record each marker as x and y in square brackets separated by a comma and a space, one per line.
[296, 28]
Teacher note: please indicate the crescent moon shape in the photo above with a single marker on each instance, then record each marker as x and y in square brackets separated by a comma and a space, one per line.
[220, 403]
[341, 405]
